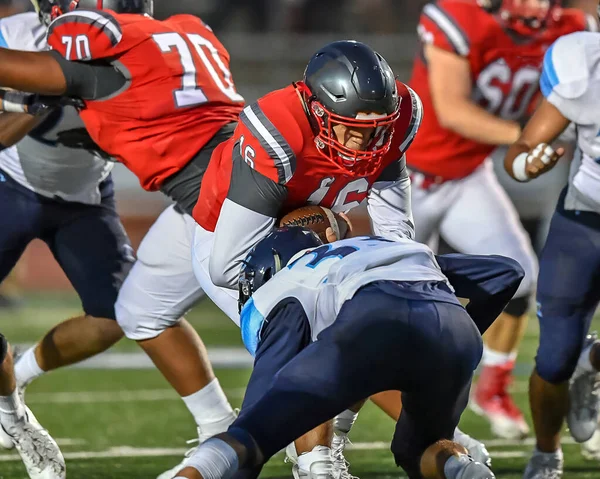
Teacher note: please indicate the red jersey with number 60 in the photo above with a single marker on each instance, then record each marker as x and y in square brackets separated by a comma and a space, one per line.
[505, 70]
[275, 138]
[178, 95]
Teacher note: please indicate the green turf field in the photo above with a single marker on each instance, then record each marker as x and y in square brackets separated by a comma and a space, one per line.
[128, 423]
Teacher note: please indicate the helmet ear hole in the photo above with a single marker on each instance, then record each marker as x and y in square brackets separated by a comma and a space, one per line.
[268, 274]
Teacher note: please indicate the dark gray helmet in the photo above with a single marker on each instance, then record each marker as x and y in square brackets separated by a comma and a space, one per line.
[48, 10]
[347, 82]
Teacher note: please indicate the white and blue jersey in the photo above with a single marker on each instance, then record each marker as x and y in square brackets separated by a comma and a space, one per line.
[571, 82]
[323, 279]
[38, 162]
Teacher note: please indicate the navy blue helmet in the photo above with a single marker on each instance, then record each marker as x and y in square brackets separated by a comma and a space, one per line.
[48, 10]
[270, 255]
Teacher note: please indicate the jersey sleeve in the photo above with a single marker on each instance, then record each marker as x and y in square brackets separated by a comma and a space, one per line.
[591, 23]
[448, 25]
[248, 214]
[409, 122]
[85, 35]
[270, 140]
[567, 75]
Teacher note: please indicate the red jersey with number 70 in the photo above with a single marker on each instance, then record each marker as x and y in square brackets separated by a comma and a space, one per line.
[179, 91]
[505, 70]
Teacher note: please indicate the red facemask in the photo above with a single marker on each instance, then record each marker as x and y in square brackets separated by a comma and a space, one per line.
[57, 11]
[527, 17]
[355, 162]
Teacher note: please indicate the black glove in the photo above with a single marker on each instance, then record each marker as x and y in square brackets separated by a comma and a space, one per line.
[33, 104]
[80, 138]
[49, 102]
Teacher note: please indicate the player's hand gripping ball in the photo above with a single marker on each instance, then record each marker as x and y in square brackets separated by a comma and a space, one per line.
[329, 226]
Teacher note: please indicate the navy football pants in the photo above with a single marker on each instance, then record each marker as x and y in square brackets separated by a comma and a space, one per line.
[88, 241]
[568, 291]
[381, 341]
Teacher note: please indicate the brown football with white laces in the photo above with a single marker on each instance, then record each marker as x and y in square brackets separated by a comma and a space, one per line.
[316, 218]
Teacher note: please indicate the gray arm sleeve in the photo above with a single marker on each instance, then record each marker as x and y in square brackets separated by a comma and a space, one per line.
[90, 80]
[389, 206]
[248, 214]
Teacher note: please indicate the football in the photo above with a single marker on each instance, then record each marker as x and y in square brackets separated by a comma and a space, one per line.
[317, 219]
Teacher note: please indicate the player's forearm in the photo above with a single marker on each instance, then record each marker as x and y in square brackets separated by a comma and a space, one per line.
[36, 72]
[238, 230]
[543, 128]
[390, 209]
[513, 152]
[473, 122]
[14, 126]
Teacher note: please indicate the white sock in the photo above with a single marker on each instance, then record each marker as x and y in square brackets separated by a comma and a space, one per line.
[214, 459]
[12, 410]
[27, 368]
[344, 421]
[558, 453]
[209, 404]
[584, 360]
[496, 358]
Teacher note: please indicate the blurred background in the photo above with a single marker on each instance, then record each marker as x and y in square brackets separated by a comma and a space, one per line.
[270, 42]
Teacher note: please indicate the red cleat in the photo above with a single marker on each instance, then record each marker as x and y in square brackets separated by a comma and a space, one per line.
[491, 400]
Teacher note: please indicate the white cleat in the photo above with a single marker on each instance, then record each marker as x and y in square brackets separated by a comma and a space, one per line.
[584, 400]
[6, 441]
[204, 433]
[341, 465]
[476, 449]
[591, 449]
[544, 465]
[39, 452]
[316, 464]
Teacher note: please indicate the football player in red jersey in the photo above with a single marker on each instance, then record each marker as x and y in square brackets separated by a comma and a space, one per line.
[159, 97]
[477, 74]
[334, 139]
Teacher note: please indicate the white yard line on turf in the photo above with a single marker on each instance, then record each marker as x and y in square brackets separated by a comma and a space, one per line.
[68, 441]
[128, 451]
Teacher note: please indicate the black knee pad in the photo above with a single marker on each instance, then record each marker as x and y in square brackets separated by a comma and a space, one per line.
[3, 348]
[518, 306]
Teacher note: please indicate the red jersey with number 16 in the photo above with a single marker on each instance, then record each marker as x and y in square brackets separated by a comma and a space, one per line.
[179, 90]
[275, 138]
[505, 70]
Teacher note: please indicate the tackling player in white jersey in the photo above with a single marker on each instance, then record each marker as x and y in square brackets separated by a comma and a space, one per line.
[566, 378]
[343, 321]
[53, 187]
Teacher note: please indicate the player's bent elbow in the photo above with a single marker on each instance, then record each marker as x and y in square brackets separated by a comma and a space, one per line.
[509, 268]
[222, 273]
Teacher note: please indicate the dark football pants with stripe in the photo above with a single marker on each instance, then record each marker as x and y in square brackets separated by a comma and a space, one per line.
[381, 341]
